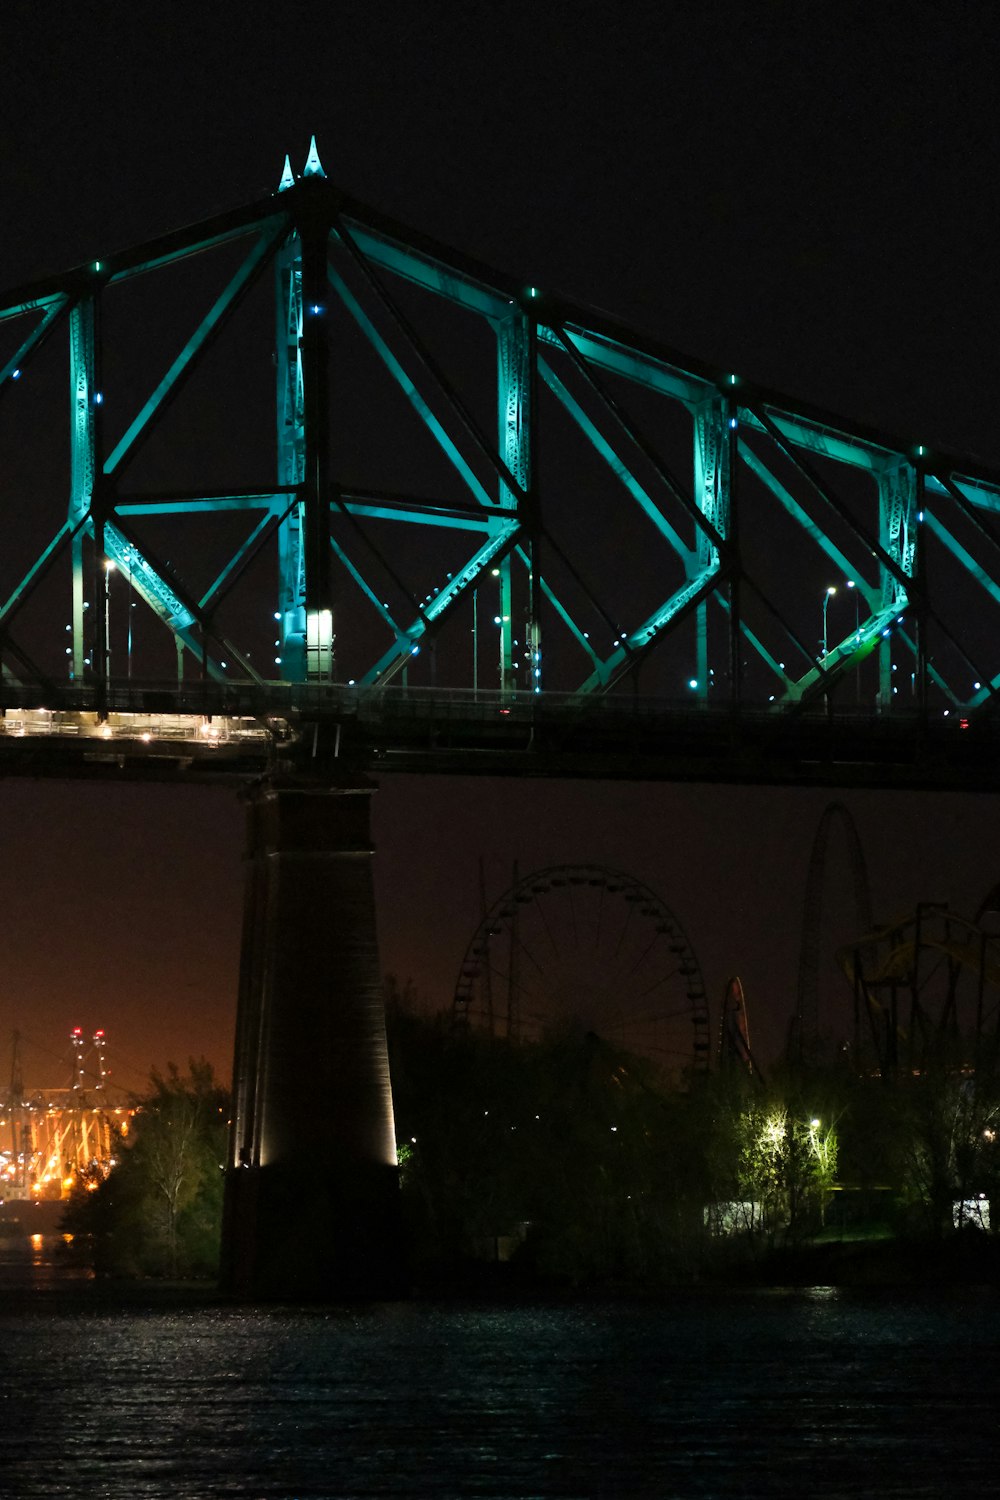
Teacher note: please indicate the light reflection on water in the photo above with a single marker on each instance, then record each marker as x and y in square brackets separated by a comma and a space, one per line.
[805, 1393]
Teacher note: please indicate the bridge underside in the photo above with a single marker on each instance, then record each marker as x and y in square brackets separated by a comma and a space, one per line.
[243, 737]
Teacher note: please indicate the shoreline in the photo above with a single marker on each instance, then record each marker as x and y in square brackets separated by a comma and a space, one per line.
[962, 1263]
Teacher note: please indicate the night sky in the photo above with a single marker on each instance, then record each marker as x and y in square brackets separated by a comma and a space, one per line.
[806, 194]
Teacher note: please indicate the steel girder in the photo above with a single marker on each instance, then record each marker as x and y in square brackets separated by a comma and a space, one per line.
[646, 508]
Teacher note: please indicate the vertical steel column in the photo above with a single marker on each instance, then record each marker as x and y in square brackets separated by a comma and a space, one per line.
[312, 1197]
[897, 494]
[314, 236]
[517, 427]
[712, 470]
[731, 427]
[291, 461]
[918, 567]
[83, 462]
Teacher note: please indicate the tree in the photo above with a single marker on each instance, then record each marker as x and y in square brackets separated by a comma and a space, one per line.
[770, 1156]
[570, 1142]
[159, 1211]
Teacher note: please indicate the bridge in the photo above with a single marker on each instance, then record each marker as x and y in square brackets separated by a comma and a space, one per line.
[297, 497]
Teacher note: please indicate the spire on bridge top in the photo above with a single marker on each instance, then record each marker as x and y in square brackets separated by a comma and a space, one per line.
[312, 168]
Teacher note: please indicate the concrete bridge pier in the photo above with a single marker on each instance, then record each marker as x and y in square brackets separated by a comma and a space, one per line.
[312, 1192]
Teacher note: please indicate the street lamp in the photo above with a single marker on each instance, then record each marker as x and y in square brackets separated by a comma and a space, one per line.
[826, 605]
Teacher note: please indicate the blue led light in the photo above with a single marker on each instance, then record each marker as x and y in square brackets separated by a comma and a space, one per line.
[15, 374]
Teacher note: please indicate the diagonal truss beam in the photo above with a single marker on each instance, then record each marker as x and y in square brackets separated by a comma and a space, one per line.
[441, 606]
[260, 254]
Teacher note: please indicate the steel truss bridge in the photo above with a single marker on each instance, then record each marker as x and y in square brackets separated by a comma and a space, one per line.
[300, 477]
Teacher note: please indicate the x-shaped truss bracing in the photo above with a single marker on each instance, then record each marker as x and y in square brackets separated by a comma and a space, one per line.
[638, 507]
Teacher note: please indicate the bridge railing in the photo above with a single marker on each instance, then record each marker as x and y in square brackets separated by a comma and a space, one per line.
[275, 700]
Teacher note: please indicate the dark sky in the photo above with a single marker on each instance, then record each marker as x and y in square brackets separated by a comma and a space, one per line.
[806, 194]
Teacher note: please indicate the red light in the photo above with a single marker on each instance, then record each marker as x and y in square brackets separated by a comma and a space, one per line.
[963, 723]
[77, 1031]
[98, 1033]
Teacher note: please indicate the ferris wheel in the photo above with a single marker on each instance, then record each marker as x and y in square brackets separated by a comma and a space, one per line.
[588, 949]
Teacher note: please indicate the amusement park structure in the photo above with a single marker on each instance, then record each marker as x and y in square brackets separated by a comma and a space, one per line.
[587, 949]
[926, 993]
[805, 1031]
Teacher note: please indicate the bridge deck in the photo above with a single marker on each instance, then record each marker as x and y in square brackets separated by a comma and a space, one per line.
[210, 732]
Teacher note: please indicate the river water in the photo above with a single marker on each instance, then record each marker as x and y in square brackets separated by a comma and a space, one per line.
[806, 1393]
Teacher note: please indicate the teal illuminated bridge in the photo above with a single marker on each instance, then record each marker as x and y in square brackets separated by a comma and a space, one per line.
[299, 475]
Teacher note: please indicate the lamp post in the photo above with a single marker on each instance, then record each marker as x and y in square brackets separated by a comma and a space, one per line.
[109, 568]
[857, 611]
[826, 605]
[857, 636]
[131, 607]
